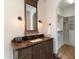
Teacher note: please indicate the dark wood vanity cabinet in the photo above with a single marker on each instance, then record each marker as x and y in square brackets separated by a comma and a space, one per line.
[42, 50]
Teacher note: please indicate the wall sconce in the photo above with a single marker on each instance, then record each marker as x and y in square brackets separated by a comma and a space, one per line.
[19, 23]
[19, 18]
[40, 21]
[49, 24]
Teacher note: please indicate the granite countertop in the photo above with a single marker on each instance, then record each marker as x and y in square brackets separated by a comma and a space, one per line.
[27, 43]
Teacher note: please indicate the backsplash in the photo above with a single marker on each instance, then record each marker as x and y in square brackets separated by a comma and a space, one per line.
[24, 38]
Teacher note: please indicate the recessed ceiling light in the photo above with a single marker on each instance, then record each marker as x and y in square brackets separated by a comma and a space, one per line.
[70, 1]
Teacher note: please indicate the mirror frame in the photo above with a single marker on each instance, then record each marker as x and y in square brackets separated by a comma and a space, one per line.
[34, 4]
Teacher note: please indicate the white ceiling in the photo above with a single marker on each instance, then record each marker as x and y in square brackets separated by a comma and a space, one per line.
[64, 4]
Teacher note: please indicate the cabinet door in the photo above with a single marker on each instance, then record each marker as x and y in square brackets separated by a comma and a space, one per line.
[39, 52]
[36, 51]
[43, 51]
[25, 53]
[50, 49]
[47, 49]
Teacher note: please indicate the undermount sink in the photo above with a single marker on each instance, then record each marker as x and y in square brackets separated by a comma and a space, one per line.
[36, 40]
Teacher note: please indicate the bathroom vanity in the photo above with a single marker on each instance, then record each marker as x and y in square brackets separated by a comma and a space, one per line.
[36, 48]
[33, 46]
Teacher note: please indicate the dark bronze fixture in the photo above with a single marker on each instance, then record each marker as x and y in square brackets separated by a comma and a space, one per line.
[40, 21]
[20, 18]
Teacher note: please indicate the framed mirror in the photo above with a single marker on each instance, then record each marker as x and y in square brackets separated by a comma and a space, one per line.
[31, 16]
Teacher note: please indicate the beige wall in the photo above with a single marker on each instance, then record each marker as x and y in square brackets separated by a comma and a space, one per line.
[41, 15]
[12, 9]
[15, 8]
[48, 14]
